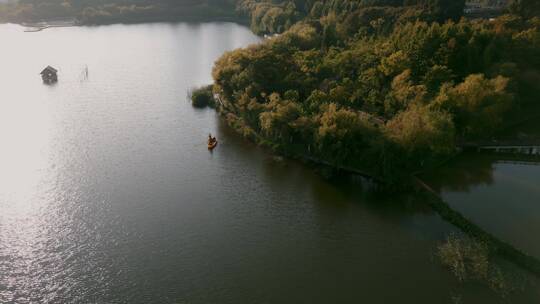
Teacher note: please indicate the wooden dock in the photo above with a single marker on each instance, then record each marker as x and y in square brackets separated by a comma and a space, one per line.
[504, 147]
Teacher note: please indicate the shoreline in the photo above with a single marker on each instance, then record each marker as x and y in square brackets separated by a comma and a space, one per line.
[38, 26]
[39, 29]
[440, 207]
[497, 246]
[34, 29]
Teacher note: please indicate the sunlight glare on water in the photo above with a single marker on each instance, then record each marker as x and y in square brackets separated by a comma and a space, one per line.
[55, 138]
[108, 193]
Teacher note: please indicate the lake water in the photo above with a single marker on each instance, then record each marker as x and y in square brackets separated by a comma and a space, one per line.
[109, 195]
[498, 191]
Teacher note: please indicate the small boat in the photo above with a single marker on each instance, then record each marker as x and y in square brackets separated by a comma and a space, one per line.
[212, 145]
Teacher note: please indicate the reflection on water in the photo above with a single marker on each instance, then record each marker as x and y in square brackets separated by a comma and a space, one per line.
[460, 176]
[500, 192]
[109, 195]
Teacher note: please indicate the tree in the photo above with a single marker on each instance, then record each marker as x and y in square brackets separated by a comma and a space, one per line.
[403, 94]
[436, 76]
[443, 10]
[422, 132]
[343, 134]
[525, 8]
[478, 104]
[276, 120]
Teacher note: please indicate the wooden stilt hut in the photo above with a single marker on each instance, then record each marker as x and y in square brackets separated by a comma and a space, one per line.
[49, 75]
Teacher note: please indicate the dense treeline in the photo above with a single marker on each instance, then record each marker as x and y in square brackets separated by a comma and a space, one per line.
[107, 11]
[386, 89]
[278, 16]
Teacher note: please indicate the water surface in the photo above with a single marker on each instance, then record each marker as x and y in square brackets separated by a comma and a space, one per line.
[109, 195]
[498, 191]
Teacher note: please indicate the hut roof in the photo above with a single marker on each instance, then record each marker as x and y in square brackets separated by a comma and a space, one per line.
[49, 69]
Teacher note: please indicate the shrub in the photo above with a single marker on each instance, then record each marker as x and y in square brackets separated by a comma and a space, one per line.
[470, 259]
[465, 257]
[202, 97]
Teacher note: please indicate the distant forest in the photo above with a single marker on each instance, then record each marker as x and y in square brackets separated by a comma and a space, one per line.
[109, 11]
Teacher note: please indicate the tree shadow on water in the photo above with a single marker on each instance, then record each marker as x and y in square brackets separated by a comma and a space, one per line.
[466, 171]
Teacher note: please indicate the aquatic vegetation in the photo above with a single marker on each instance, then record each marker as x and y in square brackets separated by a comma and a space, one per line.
[465, 257]
[471, 260]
